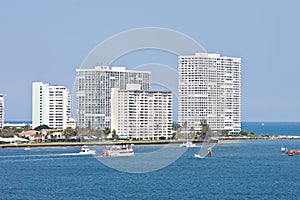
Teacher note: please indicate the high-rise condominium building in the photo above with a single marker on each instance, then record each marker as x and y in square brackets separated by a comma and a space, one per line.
[51, 105]
[138, 114]
[1, 110]
[93, 92]
[210, 89]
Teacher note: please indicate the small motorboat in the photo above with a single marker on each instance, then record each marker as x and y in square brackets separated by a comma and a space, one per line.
[86, 151]
[283, 149]
[27, 148]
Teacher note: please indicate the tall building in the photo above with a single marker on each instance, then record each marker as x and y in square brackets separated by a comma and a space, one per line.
[1, 110]
[51, 105]
[210, 89]
[138, 114]
[93, 92]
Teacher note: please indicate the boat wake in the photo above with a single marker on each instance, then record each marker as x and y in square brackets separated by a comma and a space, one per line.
[39, 155]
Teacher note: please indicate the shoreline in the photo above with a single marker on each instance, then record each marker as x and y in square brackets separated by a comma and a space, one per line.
[280, 137]
[149, 142]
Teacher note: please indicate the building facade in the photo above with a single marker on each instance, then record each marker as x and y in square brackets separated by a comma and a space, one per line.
[1, 110]
[210, 89]
[51, 105]
[141, 115]
[93, 92]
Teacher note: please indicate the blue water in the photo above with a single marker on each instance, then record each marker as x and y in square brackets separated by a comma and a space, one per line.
[272, 128]
[245, 170]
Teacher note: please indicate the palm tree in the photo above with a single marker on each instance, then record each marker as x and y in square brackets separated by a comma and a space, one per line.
[205, 128]
[106, 132]
[114, 134]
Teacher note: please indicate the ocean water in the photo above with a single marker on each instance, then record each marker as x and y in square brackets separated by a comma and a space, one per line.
[272, 128]
[237, 170]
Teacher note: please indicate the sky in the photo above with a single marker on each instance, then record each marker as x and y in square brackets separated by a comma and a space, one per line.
[48, 40]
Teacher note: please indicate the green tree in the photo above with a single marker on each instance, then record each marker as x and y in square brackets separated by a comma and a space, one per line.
[8, 131]
[252, 134]
[204, 126]
[27, 127]
[176, 130]
[69, 132]
[114, 134]
[243, 133]
[175, 126]
[106, 132]
[41, 127]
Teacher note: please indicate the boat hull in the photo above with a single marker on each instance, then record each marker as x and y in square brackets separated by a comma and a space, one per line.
[120, 154]
[90, 152]
[86, 151]
[116, 151]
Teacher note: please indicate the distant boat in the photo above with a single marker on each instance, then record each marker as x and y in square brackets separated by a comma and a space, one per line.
[283, 149]
[188, 144]
[27, 148]
[86, 151]
[293, 152]
[262, 124]
[118, 151]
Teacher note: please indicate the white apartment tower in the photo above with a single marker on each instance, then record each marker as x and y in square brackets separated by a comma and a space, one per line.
[210, 89]
[93, 92]
[145, 115]
[51, 105]
[1, 110]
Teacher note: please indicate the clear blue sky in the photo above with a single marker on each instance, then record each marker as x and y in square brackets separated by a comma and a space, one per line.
[47, 40]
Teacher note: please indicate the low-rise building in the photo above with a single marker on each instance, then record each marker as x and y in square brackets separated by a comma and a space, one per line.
[32, 135]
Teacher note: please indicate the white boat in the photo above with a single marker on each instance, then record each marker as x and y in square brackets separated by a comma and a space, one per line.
[188, 144]
[27, 148]
[86, 151]
[118, 151]
[283, 149]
